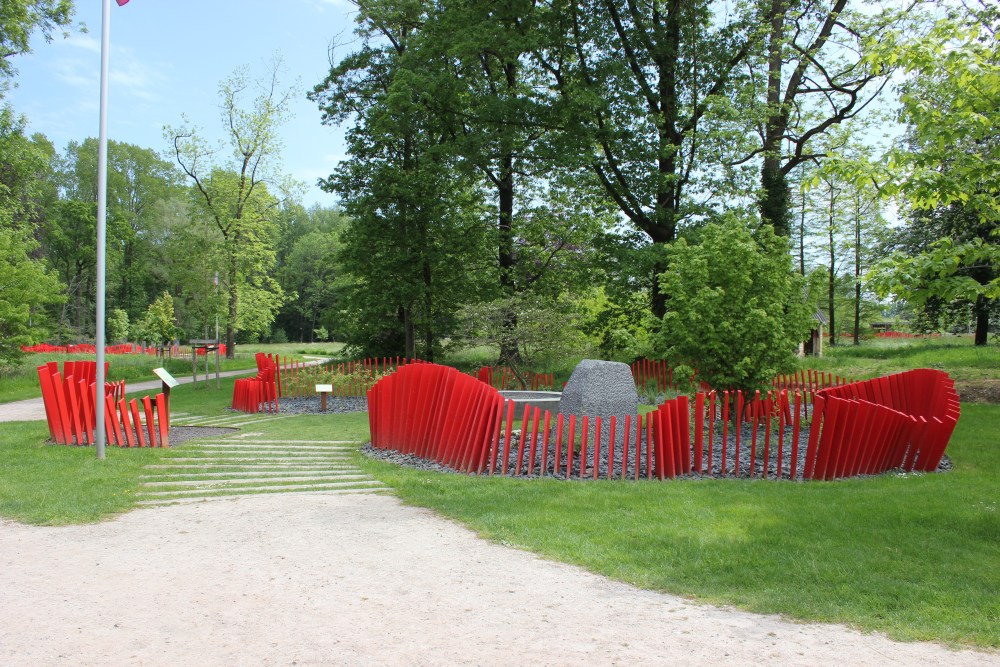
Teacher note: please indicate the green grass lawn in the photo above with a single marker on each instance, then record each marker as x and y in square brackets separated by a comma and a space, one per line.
[955, 354]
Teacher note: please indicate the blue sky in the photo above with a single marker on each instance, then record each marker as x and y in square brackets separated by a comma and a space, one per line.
[168, 58]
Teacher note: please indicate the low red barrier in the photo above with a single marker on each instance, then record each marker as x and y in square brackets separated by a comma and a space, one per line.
[258, 393]
[902, 421]
[71, 410]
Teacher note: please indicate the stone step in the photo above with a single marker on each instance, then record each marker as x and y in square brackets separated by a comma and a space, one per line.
[332, 486]
[238, 482]
[162, 502]
[249, 446]
[241, 474]
[251, 467]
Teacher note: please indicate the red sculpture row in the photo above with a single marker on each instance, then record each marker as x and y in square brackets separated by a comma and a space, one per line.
[71, 409]
[259, 393]
[438, 413]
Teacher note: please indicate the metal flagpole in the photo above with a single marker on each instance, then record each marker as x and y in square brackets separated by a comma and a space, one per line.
[102, 212]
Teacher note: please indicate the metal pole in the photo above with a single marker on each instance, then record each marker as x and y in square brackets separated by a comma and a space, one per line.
[102, 212]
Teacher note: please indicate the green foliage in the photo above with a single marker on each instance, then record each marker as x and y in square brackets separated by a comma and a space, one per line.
[951, 161]
[25, 286]
[139, 182]
[234, 186]
[159, 325]
[21, 19]
[735, 310]
[117, 325]
[543, 331]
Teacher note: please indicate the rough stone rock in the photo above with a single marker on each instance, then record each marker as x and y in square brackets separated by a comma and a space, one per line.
[600, 389]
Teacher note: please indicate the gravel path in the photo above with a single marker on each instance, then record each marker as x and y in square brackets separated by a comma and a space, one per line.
[361, 580]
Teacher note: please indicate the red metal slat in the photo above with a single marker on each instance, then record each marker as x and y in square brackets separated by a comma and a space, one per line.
[137, 423]
[725, 432]
[116, 427]
[819, 414]
[768, 409]
[699, 429]
[597, 445]
[711, 429]
[755, 421]
[533, 445]
[684, 442]
[570, 443]
[612, 435]
[147, 406]
[521, 440]
[49, 401]
[557, 458]
[584, 435]
[497, 429]
[543, 466]
[650, 444]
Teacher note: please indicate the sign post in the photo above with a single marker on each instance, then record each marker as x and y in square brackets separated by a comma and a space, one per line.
[169, 382]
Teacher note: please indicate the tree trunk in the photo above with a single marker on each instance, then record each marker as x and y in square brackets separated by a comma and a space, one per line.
[857, 272]
[832, 273]
[428, 312]
[231, 321]
[774, 186]
[509, 353]
[982, 311]
[802, 238]
[670, 141]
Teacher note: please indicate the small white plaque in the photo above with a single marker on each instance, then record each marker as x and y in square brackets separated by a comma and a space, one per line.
[169, 379]
[324, 389]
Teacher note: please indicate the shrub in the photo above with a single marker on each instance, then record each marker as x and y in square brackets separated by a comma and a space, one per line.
[735, 308]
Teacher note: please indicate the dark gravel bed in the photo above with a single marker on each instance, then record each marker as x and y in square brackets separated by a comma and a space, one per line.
[711, 468]
[309, 405]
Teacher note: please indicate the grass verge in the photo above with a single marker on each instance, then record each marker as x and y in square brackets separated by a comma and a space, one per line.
[916, 557]
[954, 354]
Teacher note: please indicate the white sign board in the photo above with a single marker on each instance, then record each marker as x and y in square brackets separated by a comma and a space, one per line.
[167, 378]
[324, 389]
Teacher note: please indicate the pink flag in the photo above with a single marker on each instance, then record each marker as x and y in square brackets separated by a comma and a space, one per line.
[121, 3]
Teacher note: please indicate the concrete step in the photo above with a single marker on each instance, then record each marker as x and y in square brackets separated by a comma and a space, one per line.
[252, 480]
[162, 502]
[327, 486]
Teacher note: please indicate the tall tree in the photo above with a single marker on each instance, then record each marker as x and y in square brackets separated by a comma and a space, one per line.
[951, 161]
[642, 78]
[813, 75]
[137, 179]
[232, 182]
[412, 245]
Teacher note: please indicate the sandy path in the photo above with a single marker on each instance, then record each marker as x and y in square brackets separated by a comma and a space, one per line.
[327, 579]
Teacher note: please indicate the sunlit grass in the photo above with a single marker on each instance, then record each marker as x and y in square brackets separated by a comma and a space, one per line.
[954, 354]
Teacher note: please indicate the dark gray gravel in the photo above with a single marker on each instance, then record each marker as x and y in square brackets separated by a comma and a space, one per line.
[708, 470]
[309, 405]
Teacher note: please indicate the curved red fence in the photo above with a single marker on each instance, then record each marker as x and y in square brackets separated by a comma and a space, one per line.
[902, 421]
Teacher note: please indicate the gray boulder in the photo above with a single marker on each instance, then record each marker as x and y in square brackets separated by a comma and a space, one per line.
[600, 389]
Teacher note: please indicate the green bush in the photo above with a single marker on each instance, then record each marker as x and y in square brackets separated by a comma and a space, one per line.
[735, 309]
